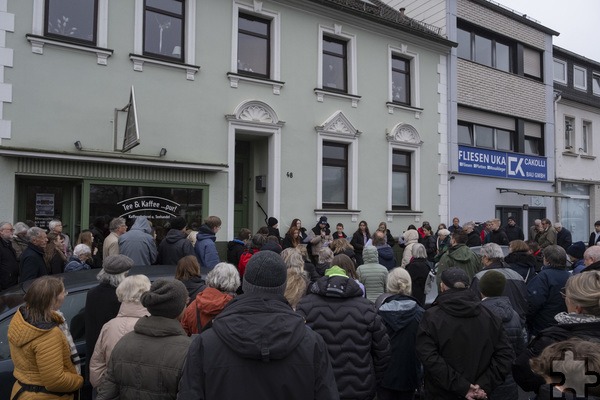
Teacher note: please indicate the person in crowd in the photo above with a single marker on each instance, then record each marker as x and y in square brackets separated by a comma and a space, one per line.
[296, 222]
[473, 238]
[513, 231]
[459, 256]
[485, 232]
[150, 358]
[19, 239]
[86, 237]
[536, 252]
[544, 298]
[420, 230]
[56, 226]
[411, 237]
[318, 237]
[309, 267]
[520, 260]
[221, 286]
[53, 255]
[273, 226]
[595, 235]
[128, 292]
[535, 230]
[138, 243]
[337, 310]
[188, 272]
[292, 238]
[206, 250]
[581, 320]
[82, 253]
[262, 341]
[342, 265]
[418, 269]
[491, 287]
[236, 247]
[9, 264]
[273, 244]
[297, 277]
[339, 232]
[193, 232]
[464, 350]
[32, 264]
[372, 274]
[497, 234]
[428, 240]
[40, 351]
[342, 246]
[385, 252]
[515, 288]
[575, 253]
[175, 245]
[389, 239]
[547, 236]
[102, 303]
[99, 232]
[455, 225]
[117, 227]
[443, 242]
[563, 236]
[325, 258]
[591, 259]
[359, 240]
[440, 227]
[253, 247]
[401, 315]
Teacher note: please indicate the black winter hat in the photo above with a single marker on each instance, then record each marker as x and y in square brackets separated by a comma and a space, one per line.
[178, 223]
[323, 220]
[166, 298]
[265, 273]
[492, 284]
[576, 250]
[453, 276]
[272, 221]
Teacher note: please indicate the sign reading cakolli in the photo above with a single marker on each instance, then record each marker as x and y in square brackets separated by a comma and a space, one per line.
[477, 161]
[149, 206]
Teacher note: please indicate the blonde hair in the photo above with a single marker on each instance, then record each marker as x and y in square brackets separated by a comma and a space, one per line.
[518, 245]
[131, 288]
[399, 282]
[41, 297]
[584, 290]
[297, 278]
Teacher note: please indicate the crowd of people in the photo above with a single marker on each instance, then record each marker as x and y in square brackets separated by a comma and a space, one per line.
[314, 313]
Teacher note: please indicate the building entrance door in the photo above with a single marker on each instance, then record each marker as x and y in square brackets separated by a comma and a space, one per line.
[242, 184]
[504, 212]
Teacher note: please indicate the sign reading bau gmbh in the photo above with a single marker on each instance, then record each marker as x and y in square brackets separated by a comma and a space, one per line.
[476, 161]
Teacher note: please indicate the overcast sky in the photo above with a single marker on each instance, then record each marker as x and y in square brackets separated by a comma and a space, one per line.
[578, 22]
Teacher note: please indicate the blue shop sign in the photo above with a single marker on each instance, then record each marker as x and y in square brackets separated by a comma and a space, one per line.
[500, 164]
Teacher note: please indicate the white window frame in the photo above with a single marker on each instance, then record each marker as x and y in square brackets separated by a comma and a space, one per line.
[38, 40]
[586, 137]
[139, 59]
[337, 128]
[415, 90]
[584, 70]
[404, 137]
[274, 47]
[337, 32]
[596, 78]
[564, 64]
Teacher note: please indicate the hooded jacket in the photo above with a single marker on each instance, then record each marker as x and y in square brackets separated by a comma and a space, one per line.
[411, 237]
[372, 274]
[522, 262]
[459, 256]
[75, 264]
[386, 257]
[174, 247]
[355, 336]
[544, 298]
[235, 248]
[461, 343]
[259, 348]
[208, 303]
[138, 244]
[418, 270]
[41, 356]
[205, 249]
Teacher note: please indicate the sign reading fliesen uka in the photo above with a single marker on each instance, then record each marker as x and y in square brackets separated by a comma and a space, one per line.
[500, 164]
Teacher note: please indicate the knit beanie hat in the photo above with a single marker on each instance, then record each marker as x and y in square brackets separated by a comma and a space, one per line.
[272, 221]
[178, 223]
[492, 284]
[166, 298]
[323, 220]
[265, 273]
[576, 250]
[453, 276]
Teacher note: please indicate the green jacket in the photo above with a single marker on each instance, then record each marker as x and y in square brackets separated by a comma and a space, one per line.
[459, 256]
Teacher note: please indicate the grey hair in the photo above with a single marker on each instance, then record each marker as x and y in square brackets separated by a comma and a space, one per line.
[492, 251]
[81, 249]
[4, 223]
[34, 232]
[469, 225]
[592, 253]
[112, 280]
[399, 282]
[224, 277]
[555, 256]
[52, 224]
[418, 251]
[325, 255]
[131, 288]
[557, 225]
[116, 223]
[20, 227]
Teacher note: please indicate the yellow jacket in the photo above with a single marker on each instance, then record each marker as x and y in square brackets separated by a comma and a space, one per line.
[41, 357]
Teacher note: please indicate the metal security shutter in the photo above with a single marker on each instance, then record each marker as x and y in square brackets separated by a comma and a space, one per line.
[484, 118]
[533, 129]
[532, 62]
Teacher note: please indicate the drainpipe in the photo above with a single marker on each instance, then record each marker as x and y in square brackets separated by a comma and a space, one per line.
[557, 98]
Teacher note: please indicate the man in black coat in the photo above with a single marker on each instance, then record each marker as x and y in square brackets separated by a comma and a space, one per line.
[513, 231]
[497, 234]
[595, 235]
[563, 236]
[175, 245]
[258, 347]
[32, 260]
[463, 348]
[9, 265]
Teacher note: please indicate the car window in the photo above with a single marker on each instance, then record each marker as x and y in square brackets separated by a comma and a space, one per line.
[4, 350]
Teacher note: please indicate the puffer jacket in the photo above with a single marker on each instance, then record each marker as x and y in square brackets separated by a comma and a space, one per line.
[41, 357]
[411, 237]
[355, 336]
[75, 264]
[138, 244]
[111, 333]
[205, 249]
[208, 303]
[544, 298]
[401, 316]
[174, 247]
[372, 274]
[522, 262]
[386, 257]
[459, 256]
[146, 363]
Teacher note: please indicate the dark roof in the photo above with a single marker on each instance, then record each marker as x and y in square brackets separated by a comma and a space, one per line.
[523, 18]
[560, 51]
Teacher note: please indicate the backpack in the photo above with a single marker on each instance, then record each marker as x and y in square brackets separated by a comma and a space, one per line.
[244, 258]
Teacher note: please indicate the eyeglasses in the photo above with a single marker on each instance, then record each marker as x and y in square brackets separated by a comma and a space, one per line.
[563, 292]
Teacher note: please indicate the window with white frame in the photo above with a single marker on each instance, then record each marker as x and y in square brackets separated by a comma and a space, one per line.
[71, 20]
[596, 84]
[403, 70]
[560, 71]
[400, 80]
[401, 179]
[404, 175]
[586, 137]
[569, 133]
[335, 175]
[579, 77]
[164, 27]
[337, 61]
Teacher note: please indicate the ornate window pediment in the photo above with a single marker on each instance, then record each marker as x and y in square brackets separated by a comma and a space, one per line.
[404, 134]
[254, 111]
[338, 125]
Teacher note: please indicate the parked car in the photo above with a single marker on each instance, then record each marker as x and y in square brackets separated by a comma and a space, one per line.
[77, 285]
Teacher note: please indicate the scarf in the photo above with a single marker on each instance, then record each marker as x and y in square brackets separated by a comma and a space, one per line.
[572, 318]
[64, 327]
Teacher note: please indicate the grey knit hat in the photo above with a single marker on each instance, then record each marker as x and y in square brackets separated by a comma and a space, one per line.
[117, 264]
[265, 273]
[455, 278]
[492, 283]
[166, 298]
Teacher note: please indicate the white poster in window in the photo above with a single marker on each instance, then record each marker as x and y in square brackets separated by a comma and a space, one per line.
[44, 204]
